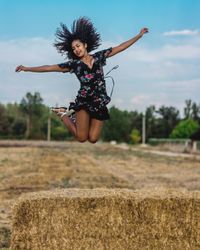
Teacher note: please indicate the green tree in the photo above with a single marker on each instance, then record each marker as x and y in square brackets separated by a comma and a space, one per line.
[192, 110]
[136, 120]
[4, 123]
[31, 105]
[18, 127]
[188, 109]
[13, 110]
[60, 133]
[195, 112]
[168, 119]
[17, 122]
[118, 128]
[58, 129]
[185, 129]
[151, 122]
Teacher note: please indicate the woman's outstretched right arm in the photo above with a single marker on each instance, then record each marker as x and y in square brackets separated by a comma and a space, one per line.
[40, 69]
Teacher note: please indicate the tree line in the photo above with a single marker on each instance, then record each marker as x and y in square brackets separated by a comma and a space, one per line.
[28, 120]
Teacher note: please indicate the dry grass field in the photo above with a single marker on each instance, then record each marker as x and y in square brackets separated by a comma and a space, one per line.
[46, 166]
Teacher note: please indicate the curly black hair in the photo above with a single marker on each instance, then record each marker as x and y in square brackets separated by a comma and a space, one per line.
[82, 29]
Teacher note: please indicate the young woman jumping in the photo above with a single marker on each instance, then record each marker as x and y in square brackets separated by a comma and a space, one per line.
[90, 105]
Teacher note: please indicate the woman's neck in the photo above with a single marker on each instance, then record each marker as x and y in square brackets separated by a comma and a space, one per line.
[86, 57]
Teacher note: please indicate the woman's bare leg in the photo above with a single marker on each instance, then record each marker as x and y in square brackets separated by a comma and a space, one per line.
[71, 126]
[82, 125]
[80, 129]
[95, 130]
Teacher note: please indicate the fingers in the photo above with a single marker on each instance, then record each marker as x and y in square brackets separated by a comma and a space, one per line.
[145, 30]
[19, 68]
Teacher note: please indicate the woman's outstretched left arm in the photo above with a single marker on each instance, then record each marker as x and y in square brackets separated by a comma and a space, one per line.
[125, 45]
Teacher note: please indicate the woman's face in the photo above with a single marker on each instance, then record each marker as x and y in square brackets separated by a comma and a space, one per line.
[79, 48]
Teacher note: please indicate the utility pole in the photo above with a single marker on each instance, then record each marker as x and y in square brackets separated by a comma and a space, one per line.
[49, 127]
[143, 129]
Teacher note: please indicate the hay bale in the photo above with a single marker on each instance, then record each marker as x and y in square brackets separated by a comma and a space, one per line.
[107, 219]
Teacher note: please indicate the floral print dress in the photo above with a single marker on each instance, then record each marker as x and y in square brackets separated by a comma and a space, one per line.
[92, 95]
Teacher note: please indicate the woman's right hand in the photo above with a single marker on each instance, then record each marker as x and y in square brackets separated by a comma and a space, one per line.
[20, 68]
[143, 31]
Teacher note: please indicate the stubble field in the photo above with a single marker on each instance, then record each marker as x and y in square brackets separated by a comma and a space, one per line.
[46, 166]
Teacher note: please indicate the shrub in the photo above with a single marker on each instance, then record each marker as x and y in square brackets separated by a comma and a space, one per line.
[135, 136]
[185, 129]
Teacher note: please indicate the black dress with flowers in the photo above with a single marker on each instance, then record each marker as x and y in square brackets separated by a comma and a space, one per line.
[92, 95]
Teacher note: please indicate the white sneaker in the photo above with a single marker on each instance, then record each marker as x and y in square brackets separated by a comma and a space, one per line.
[62, 111]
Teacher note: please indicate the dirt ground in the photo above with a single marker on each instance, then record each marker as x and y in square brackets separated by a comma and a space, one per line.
[45, 166]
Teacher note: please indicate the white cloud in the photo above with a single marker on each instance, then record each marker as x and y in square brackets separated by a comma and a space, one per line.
[167, 51]
[185, 32]
[54, 87]
[162, 63]
[117, 101]
[27, 51]
[187, 86]
[139, 99]
[149, 73]
[142, 101]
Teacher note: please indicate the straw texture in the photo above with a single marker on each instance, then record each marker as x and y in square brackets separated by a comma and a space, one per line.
[104, 219]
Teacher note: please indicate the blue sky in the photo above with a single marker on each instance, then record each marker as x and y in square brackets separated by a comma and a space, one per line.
[40, 18]
[162, 68]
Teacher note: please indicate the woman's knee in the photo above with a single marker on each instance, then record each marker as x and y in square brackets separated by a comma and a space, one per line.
[81, 138]
[93, 139]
